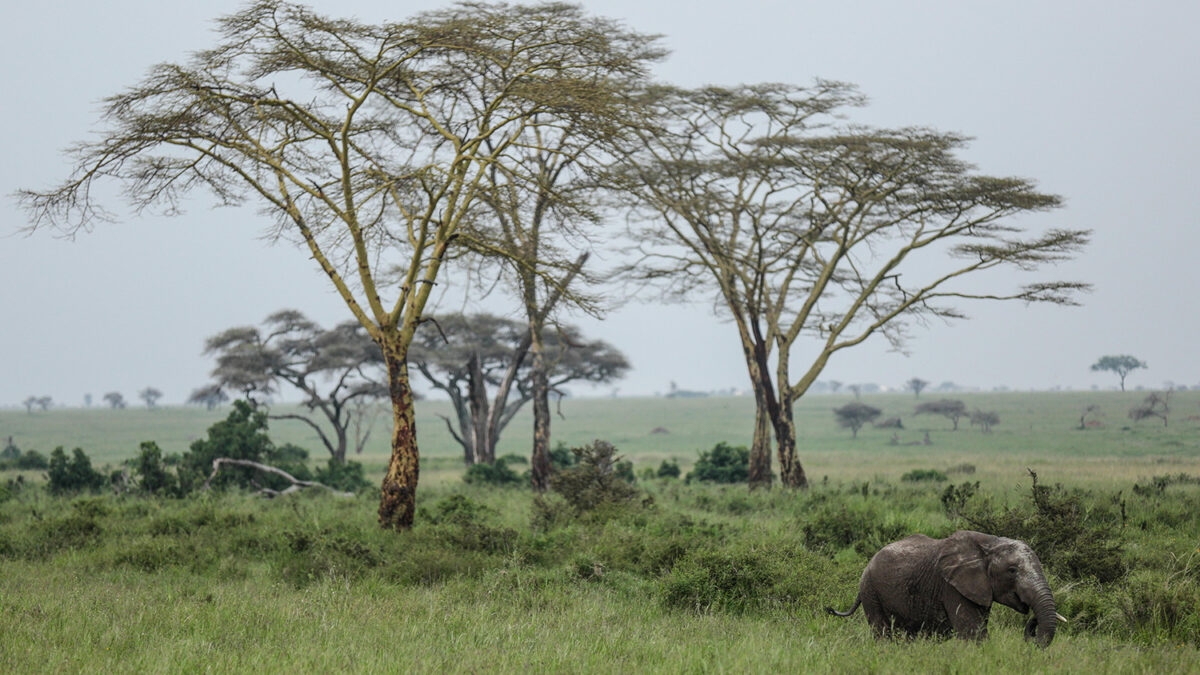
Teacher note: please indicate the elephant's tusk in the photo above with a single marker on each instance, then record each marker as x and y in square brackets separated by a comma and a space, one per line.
[1061, 618]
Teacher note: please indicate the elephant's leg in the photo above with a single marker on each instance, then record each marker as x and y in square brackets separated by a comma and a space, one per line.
[877, 618]
[968, 620]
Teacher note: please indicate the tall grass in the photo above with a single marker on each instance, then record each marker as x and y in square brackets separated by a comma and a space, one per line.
[694, 578]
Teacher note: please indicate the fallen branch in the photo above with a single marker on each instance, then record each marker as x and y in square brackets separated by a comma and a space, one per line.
[296, 483]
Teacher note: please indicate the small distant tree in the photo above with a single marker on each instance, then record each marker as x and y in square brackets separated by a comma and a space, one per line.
[115, 400]
[210, 396]
[835, 386]
[87, 400]
[856, 389]
[916, 385]
[949, 408]
[29, 404]
[985, 419]
[1121, 364]
[854, 415]
[1154, 405]
[150, 395]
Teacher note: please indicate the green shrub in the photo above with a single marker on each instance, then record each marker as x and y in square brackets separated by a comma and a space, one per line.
[723, 464]
[344, 476]
[668, 469]
[561, 457]
[72, 475]
[492, 474]
[1072, 539]
[241, 435]
[513, 458]
[917, 475]
[152, 475]
[595, 481]
[836, 527]
[31, 460]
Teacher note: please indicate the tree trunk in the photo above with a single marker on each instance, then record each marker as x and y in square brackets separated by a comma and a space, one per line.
[540, 461]
[484, 452]
[760, 448]
[398, 493]
[791, 473]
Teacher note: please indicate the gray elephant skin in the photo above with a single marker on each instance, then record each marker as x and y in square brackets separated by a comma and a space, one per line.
[925, 586]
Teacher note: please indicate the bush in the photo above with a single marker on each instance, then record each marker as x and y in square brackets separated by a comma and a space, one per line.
[669, 469]
[723, 464]
[344, 476]
[596, 480]
[1071, 540]
[72, 475]
[492, 474]
[242, 435]
[561, 457]
[917, 475]
[30, 460]
[833, 528]
[152, 475]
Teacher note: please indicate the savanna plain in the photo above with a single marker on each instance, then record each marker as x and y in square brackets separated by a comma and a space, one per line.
[679, 576]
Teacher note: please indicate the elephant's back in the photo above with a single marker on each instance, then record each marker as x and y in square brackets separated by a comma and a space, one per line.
[901, 554]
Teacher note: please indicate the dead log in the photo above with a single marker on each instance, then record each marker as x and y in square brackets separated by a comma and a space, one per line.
[296, 483]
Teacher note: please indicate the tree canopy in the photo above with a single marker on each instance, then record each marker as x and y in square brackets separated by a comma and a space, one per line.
[798, 223]
[465, 355]
[1121, 364]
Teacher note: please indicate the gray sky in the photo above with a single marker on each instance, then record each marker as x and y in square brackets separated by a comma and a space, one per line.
[1098, 101]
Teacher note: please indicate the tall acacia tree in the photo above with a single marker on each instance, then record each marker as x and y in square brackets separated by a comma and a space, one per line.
[367, 144]
[804, 225]
[543, 204]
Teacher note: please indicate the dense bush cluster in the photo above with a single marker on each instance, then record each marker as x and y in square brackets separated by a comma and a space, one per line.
[723, 464]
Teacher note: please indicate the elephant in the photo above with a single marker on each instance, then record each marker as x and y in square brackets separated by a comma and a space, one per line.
[920, 585]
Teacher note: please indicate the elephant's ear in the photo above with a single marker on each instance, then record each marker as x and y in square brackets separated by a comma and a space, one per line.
[963, 565]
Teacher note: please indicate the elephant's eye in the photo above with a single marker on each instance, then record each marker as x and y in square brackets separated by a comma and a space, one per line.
[1012, 569]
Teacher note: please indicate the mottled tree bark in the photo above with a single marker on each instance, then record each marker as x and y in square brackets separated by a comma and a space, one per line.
[540, 460]
[397, 504]
[760, 448]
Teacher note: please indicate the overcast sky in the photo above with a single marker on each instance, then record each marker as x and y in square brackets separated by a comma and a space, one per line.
[1097, 101]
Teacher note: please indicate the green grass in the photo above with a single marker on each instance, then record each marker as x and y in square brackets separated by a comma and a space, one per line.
[706, 579]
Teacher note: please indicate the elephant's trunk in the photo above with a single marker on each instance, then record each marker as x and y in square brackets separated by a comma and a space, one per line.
[1045, 615]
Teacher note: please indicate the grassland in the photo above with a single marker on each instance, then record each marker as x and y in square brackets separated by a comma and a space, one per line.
[704, 579]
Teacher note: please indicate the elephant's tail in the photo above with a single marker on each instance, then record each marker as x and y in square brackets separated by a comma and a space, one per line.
[854, 608]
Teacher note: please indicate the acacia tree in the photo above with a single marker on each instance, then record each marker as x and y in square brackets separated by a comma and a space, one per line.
[338, 370]
[916, 385]
[150, 396]
[367, 144]
[801, 225]
[854, 415]
[949, 408]
[115, 400]
[210, 396]
[1121, 364]
[465, 355]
